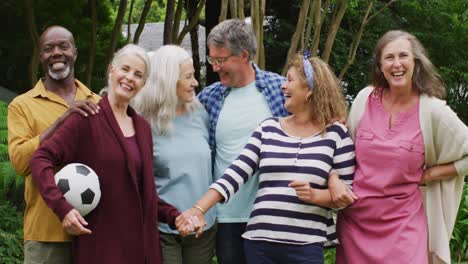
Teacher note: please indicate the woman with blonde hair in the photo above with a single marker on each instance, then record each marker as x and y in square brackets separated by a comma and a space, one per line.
[182, 156]
[406, 136]
[291, 219]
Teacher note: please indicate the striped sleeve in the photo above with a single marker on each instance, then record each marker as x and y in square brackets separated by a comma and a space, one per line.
[344, 158]
[242, 168]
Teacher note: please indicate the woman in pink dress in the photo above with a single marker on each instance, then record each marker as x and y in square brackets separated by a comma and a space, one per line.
[405, 136]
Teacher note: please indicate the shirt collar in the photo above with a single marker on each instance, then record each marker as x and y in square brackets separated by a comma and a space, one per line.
[259, 77]
[40, 90]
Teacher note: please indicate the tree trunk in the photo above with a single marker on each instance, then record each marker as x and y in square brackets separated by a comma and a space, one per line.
[141, 23]
[117, 30]
[191, 11]
[129, 22]
[233, 8]
[240, 9]
[176, 23]
[92, 47]
[254, 18]
[32, 28]
[338, 14]
[260, 45]
[318, 23]
[168, 22]
[257, 13]
[212, 13]
[312, 12]
[224, 9]
[193, 21]
[296, 37]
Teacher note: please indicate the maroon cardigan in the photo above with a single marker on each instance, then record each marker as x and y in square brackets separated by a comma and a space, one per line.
[125, 222]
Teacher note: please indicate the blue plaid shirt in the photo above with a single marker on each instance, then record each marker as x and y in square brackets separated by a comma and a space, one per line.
[268, 83]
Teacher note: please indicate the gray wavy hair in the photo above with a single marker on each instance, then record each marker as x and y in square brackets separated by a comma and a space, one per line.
[234, 34]
[425, 77]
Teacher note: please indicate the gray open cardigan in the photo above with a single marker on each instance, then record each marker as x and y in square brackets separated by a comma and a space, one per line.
[445, 141]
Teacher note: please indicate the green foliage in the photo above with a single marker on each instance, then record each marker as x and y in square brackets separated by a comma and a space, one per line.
[11, 234]
[11, 201]
[11, 185]
[156, 13]
[16, 47]
[459, 243]
[329, 256]
[444, 36]
[3, 131]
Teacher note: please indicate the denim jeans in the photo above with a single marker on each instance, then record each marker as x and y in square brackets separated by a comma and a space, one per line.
[230, 244]
[265, 252]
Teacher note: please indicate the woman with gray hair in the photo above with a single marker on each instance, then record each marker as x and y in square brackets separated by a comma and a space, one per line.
[405, 136]
[182, 156]
[116, 144]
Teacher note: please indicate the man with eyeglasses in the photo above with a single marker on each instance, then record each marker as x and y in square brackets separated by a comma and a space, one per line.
[244, 97]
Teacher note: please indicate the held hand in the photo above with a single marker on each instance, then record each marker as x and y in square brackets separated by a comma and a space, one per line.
[303, 191]
[192, 220]
[183, 224]
[199, 223]
[74, 224]
[341, 194]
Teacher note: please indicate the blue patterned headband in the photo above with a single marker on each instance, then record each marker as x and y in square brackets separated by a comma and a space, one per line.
[308, 69]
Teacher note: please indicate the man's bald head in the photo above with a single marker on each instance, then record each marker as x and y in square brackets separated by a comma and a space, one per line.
[57, 30]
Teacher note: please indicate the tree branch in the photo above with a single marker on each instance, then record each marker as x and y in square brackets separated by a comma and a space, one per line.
[336, 21]
[141, 23]
[380, 10]
[297, 34]
[192, 23]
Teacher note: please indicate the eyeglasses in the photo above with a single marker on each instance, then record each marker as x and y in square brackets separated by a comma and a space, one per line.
[218, 61]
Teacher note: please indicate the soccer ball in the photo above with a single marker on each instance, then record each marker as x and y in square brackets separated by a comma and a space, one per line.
[80, 186]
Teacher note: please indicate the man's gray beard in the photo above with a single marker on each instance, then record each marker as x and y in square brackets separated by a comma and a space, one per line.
[59, 75]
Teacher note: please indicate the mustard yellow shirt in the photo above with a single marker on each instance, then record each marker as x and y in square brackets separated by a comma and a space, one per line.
[28, 116]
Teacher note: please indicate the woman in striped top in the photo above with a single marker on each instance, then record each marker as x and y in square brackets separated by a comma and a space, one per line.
[291, 219]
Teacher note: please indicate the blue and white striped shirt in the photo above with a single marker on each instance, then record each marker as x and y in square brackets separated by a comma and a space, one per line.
[278, 214]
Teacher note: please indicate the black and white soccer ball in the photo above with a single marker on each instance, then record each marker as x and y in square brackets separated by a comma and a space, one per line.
[80, 186]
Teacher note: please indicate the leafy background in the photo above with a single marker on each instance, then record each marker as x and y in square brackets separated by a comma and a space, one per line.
[441, 25]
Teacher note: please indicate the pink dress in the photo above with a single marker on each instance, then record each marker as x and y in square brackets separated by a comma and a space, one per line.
[387, 224]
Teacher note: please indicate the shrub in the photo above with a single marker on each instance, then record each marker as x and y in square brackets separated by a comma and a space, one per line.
[459, 241]
[11, 234]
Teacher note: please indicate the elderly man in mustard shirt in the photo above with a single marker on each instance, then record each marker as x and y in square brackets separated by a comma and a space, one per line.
[32, 118]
